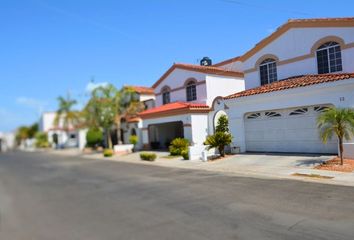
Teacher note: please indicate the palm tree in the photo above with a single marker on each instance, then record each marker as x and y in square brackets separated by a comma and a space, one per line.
[339, 122]
[65, 114]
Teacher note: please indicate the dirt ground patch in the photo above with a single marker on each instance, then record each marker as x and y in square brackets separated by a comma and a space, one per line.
[334, 165]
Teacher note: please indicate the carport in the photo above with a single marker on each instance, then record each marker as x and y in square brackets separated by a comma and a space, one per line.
[160, 135]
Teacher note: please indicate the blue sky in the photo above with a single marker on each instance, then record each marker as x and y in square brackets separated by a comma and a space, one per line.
[51, 48]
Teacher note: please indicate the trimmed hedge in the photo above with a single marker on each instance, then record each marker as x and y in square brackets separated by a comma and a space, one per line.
[108, 152]
[178, 145]
[148, 156]
[185, 154]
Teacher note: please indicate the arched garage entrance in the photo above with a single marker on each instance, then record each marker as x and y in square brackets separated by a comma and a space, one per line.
[286, 130]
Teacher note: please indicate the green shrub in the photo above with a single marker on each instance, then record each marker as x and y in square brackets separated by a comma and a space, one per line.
[108, 152]
[219, 140]
[133, 139]
[185, 154]
[94, 137]
[42, 140]
[178, 145]
[148, 156]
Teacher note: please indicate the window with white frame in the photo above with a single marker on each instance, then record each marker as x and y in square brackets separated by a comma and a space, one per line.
[268, 71]
[191, 91]
[166, 95]
[329, 58]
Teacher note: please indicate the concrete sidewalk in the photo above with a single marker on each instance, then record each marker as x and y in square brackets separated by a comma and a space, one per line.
[252, 165]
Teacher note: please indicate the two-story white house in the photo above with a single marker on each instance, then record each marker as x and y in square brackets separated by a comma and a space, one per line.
[184, 96]
[290, 77]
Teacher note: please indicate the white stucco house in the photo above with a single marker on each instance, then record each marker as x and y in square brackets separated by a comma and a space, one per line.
[272, 94]
[184, 94]
[290, 77]
[7, 141]
[58, 136]
[132, 125]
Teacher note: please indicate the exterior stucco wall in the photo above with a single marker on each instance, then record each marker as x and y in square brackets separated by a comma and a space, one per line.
[222, 86]
[176, 80]
[328, 93]
[295, 43]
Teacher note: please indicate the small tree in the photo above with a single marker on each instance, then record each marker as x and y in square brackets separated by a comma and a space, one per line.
[94, 137]
[133, 139]
[101, 110]
[339, 122]
[219, 140]
[222, 124]
[222, 137]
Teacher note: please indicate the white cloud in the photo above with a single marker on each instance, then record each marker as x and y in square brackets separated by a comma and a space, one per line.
[32, 103]
[91, 86]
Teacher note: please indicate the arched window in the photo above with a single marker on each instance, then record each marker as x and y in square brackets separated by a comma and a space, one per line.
[268, 71]
[166, 95]
[329, 58]
[191, 91]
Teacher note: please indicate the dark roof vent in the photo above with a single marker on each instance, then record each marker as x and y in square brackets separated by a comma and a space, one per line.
[205, 62]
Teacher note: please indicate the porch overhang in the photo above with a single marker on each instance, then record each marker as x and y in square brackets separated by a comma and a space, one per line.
[173, 109]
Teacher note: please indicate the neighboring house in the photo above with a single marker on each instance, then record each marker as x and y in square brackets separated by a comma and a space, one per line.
[291, 77]
[7, 141]
[132, 125]
[60, 137]
[184, 94]
[272, 94]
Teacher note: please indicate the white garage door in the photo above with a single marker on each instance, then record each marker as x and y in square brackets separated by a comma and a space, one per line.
[286, 130]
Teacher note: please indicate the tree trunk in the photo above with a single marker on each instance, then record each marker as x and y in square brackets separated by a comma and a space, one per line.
[341, 150]
[119, 137]
[221, 151]
[109, 138]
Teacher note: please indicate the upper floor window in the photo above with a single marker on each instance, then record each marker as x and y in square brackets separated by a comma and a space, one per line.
[166, 95]
[191, 91]
[268, 71]
[329, 58]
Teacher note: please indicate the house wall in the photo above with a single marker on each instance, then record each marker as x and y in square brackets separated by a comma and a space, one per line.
[295, 47]
[339, 94]
[217, 86]
[47, 121]
[176, 80]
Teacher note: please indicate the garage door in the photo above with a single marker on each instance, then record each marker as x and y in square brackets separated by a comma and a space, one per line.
[286, 130]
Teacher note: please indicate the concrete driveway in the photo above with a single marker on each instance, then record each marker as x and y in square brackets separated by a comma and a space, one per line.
[269, 165]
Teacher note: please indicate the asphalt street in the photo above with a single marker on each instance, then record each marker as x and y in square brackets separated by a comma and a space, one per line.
[49, 197]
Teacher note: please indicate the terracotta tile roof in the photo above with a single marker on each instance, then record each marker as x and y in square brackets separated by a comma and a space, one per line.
[174, 109]
[293, 82]
[198, 68]
[133, 119]
[292, 23]
[142, 90]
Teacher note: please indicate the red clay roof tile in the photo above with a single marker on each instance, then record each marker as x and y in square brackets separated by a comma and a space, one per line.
[293, 82]
[198, 68]
[175, 106]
